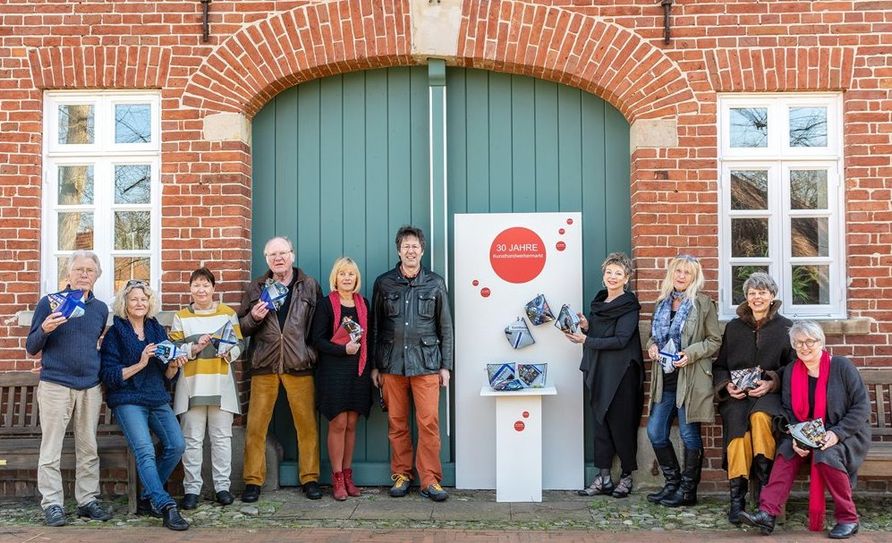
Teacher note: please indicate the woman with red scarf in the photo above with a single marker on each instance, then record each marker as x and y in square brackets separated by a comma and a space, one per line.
[343, 378]
[818, 386]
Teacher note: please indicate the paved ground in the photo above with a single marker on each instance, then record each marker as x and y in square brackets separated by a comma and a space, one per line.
[286, 516]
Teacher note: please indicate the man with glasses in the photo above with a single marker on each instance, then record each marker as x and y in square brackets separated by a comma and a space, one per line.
[279, 354]
[411, 338]
[69, 391]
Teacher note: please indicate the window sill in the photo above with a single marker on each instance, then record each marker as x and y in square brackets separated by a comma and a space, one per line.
[164, 317]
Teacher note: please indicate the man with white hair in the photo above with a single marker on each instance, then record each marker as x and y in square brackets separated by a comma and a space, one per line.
[280, 355]
[69, 391]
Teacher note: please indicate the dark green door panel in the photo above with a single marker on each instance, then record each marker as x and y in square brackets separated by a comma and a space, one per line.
[340, 163]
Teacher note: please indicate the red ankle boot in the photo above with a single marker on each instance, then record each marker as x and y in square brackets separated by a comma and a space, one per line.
[337, 486]
[348, 483]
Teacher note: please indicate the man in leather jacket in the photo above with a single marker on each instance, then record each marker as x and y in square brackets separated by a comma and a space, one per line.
[281, 354]
[411, 338]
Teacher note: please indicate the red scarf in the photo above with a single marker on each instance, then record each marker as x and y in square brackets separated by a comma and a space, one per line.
[362, 312]
[799, 396]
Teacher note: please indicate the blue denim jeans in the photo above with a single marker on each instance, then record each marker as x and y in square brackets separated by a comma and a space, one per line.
[138, 424]
[660, 422]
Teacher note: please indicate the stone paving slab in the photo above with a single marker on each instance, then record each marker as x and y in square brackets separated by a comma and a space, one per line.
[327, 535]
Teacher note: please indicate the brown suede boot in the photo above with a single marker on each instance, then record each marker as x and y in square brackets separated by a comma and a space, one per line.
[338, 491]
[349, 485]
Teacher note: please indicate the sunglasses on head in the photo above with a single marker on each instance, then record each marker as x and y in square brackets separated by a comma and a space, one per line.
[133, 283]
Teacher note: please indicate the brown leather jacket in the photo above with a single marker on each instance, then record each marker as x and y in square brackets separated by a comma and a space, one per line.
[281, 350]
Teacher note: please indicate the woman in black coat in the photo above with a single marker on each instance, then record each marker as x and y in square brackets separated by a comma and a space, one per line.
[818, 386]
[612, 368]
[756, 338]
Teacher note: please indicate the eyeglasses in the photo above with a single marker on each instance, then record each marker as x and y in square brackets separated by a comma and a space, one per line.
[410, 247]
[809, 343]
[280, 254]
[84, 271]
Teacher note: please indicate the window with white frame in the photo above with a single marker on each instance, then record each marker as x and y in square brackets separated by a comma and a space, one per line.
[102, 155]
[781, 206]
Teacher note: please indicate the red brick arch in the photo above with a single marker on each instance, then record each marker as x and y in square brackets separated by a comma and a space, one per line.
[319, 40]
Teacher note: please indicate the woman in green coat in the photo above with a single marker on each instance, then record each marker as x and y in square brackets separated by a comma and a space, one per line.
[686, 328]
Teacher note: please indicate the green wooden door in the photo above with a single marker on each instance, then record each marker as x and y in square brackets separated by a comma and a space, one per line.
[340, 163]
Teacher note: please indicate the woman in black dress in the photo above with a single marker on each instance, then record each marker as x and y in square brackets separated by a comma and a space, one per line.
[343, 378]
[612, 366]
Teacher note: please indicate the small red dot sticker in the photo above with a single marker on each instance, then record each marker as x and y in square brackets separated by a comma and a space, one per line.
[519, 426]
[560, 246]
[485, 292]
[569, 221]
[526, 414]
[562, 231]
[475, 282]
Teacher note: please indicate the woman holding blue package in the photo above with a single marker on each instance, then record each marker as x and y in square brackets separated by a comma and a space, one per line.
[136, 385]
[684, 337]
[613, 374]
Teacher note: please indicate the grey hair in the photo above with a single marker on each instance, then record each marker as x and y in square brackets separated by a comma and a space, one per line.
[807, 328]
[760, 281]
[619, 259]
[84, 254]
[282, 238]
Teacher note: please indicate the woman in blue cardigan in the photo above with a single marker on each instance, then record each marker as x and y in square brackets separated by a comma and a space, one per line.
[137, 391]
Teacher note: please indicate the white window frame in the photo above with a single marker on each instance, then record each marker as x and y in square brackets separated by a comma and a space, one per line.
[778, 158]
[104, 154]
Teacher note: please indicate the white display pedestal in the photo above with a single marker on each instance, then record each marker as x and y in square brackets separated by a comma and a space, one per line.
[519, 442]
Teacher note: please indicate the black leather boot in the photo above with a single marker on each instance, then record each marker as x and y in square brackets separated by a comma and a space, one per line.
[760, 519]
[738, 486]
[669, 466]
[686, 494]
[761, 472]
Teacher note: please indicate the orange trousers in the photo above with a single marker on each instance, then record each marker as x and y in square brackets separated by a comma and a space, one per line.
[425, 390]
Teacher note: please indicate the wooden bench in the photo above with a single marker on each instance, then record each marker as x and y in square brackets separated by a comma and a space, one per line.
[879, 387]
[20, 433]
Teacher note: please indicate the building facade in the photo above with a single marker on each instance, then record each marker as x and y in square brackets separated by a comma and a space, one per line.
[755, 135]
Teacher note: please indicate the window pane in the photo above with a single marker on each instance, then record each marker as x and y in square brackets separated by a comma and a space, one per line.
[749, 127]
[811, 284]
[808, 127]
[749, 237]
[809, 236]
[131, 267]
[61, 272]
[133, 123]
[739, 274]
[132, 183]
[75, 185]
[749, 189]
[132, 229]
[75, 231]
[75, 124]
[808, 189]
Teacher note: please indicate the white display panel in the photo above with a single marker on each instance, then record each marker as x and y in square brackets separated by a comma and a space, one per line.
[502, 261]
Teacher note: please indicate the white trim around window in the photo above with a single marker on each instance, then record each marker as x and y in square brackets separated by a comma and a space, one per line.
[782, 201]
[101, 185]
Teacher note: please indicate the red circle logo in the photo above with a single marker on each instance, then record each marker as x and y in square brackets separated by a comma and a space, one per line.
[519, 426]
[475, 282]
[517, 255]
[485, 292]
[526, 414]
[561, 246]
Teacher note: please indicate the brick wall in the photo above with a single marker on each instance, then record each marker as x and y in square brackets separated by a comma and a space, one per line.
[613, 49]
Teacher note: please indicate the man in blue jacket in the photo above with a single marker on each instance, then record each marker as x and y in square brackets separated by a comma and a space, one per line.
[69, 391]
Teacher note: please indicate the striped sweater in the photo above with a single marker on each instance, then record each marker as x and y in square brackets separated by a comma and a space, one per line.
[207, 379]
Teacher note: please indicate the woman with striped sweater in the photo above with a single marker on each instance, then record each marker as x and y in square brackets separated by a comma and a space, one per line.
[206, 395]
